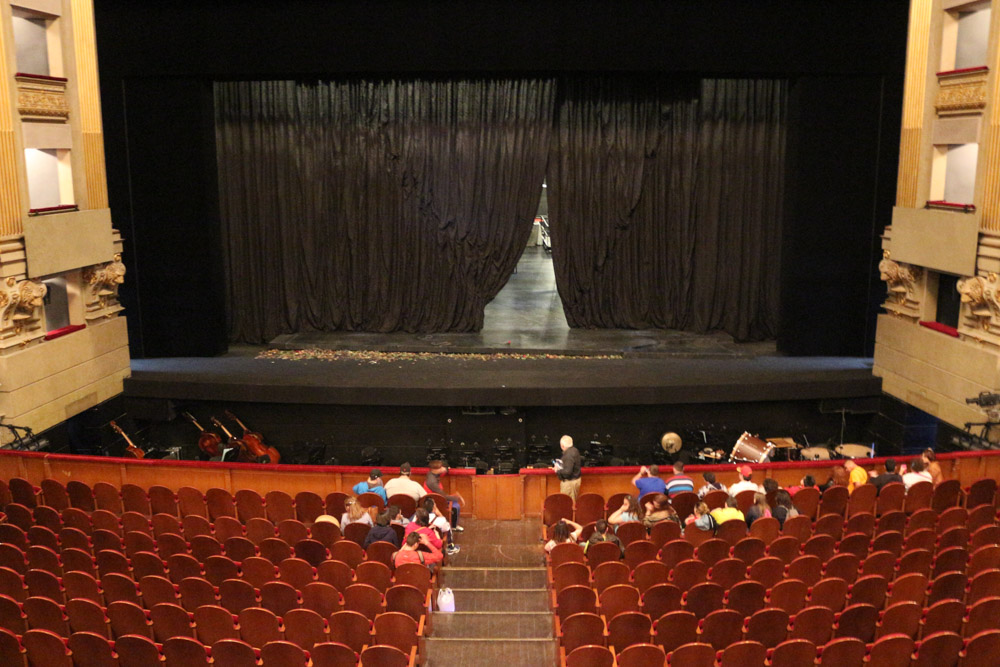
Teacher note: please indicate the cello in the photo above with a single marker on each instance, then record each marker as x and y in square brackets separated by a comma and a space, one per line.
[131, 451]
[208, 442]
[252, 436]
[249, 453]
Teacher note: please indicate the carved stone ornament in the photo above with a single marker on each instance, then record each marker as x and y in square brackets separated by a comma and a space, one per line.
[42, 98]
[900, 279]
[22, 301]
[103, 281]
[961, 93]
[981, 297]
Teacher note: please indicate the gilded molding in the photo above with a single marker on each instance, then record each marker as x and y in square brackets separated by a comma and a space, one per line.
[961, 95]
[901, 281]
[42, 99]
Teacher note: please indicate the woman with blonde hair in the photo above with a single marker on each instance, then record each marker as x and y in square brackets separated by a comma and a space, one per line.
[355, 514]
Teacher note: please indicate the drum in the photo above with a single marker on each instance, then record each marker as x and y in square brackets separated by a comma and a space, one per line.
[751, 449]
[815, 454]
[851, 451]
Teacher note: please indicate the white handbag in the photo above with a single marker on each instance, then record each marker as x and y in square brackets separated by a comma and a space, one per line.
[446, 600]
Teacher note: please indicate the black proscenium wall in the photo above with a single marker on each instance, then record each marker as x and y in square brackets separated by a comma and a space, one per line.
[158, 62]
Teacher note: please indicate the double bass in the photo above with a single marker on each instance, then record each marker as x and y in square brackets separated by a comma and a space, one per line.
[254, 437]
[250, 452]
[131, 451]
[208, 442]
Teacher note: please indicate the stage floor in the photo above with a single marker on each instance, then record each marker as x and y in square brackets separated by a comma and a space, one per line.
[527, 317]
[655, 367]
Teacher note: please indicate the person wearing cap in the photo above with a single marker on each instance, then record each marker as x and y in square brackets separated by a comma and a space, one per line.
[372, 485]
[403, 485]
[746, 472]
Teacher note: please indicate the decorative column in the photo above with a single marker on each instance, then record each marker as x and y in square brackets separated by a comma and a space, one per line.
[87, 84]
[10, 197]
[989, 151]
[913, 102]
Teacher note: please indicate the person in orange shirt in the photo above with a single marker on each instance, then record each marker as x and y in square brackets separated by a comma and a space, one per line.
[856, 475]
[411, 553]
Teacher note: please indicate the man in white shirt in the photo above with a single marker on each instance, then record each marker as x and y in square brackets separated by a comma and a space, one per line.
[404, 485]
[745, 484]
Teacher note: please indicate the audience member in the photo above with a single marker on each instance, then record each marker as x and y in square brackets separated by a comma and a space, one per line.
[679, 482]
[602, 533]
[372, 485]
[421, 524]
[565, 532]
[700, 517]
[783, 507]
[410, 552]
[396, 517]
[354, 513]
[838, 477]
[770, 485]
[931, 465]
[856, 475]
[327, 517]
[658, 508]
[647, 480]
[439, 521]
[630, 510]
[758, 510]
[567, 468]
[807, 482]
[382, 532]
[403, 485]
[745, 484]
[890, 475]
[432, 484]
[916, 473]
[731, 511]
[710, 485]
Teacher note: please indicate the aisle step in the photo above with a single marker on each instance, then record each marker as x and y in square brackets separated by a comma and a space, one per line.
[497, 578]
[499, 652]
[494, 599]
[493, 625]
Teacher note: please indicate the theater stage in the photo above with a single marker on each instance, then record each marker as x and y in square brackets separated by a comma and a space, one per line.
[526, 319]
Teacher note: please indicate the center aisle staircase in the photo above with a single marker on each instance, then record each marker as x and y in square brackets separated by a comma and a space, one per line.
[502, 614]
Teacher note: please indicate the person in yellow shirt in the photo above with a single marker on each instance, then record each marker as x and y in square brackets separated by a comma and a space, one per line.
[727, 513]
[856, 475]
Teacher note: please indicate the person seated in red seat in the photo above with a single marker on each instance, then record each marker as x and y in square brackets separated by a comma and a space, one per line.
[710, 485]
[412, 553]
[931, 465]
[565, 532]
[890, 475]
[856, 475]
[807, 482]
[916, 473]
[759, 510]
[658, 508]
[783, 507]
[381, 532]
[745, 483]
[647, 480]
[630, 510]
[679, 482]
[421, 524]
[602, 533]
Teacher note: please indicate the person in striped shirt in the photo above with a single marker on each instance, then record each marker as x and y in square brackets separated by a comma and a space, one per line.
[679, 482]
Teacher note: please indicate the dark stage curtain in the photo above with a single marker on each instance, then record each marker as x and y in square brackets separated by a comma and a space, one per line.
[666, 204]
[375, 206]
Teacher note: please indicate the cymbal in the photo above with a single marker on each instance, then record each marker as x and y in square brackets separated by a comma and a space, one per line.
[671, 442]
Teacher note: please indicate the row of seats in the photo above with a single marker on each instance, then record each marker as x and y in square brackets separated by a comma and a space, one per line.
[245, 504]
[771, 627]
[943, 649]
[41, 647]
[404, 626]
[810, 502]
[769, 530]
